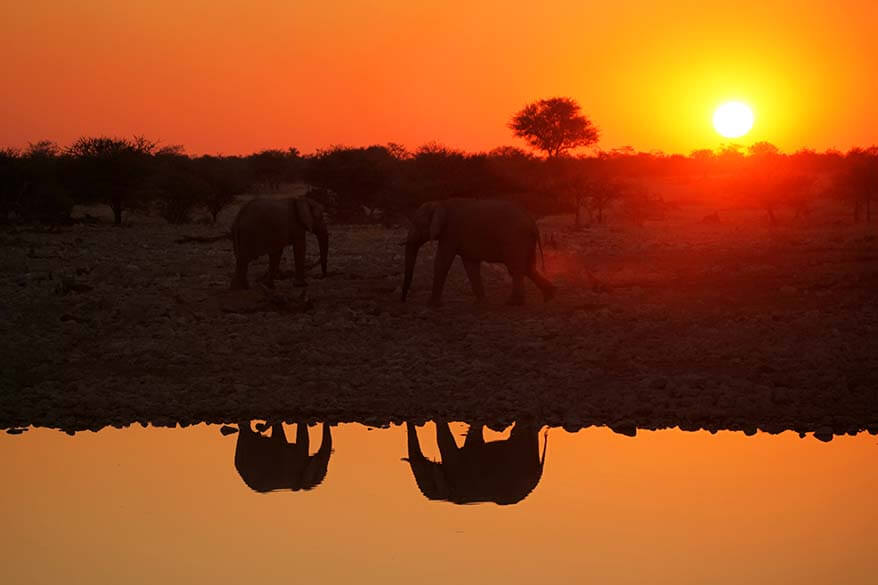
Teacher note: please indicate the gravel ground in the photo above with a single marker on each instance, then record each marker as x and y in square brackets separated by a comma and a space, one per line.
[675, 323]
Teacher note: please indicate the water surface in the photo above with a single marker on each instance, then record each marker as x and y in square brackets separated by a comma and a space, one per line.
[162, 505]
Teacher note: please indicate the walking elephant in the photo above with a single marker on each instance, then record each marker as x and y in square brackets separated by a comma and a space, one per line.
[477, 230]
[504, 472]
[269, 463]
[267, 226]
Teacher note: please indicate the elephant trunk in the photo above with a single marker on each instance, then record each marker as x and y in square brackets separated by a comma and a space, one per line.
[411, 255]
[323, 243]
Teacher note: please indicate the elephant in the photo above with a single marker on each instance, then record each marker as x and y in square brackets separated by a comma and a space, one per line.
[477, 230]
[504, 472]
[266, 226]
[270, 463]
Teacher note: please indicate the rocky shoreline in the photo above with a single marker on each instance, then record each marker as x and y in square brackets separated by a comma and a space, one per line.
[675, 324]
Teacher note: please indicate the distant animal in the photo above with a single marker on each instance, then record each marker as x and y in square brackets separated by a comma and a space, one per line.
[269, 463]
[267, 226]
[477, 230]
[504, 472]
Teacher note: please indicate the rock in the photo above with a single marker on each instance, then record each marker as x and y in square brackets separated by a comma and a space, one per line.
[624, 427]
[823, 434]
[773, 429]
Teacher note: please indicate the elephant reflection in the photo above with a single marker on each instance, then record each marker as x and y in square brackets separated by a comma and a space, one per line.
[503, 472]
[268, 463]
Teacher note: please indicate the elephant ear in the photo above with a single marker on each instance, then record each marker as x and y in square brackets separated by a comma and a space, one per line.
[305, 213]
[437, 222]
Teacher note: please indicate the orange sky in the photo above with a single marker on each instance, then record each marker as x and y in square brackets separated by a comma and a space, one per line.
[234, 77]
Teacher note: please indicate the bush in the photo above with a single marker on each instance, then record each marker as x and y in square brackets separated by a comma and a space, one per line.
[114, 171]
[179, 189]
[360, 177]
[224, 178]
[31, 185]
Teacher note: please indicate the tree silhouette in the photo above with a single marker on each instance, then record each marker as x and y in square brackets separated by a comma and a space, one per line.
[554, 125]
[179, 188]
[763, 149]
[860, 179]
[226, 178]
[44, 197]
[111, 170]
[271, 168]
[361, 177]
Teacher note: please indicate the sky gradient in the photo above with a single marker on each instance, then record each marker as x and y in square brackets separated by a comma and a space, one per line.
[236, 77]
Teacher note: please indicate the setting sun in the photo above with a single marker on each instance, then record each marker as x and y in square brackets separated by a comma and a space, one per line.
[733, 119]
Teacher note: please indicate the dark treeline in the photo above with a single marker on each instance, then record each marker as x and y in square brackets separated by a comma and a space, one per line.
[43, 182]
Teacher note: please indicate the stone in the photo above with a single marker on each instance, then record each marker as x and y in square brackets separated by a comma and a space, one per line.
[624, 427]
[823, 434]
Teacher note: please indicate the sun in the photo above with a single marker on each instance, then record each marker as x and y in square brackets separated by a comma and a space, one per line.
[733, 119]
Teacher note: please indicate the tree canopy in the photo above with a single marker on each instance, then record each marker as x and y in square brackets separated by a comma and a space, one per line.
[555, 126]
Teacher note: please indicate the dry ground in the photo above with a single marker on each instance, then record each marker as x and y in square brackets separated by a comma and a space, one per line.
[735, 326]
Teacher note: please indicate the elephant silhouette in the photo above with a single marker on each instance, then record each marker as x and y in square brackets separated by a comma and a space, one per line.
[270, 463]
[504, 472]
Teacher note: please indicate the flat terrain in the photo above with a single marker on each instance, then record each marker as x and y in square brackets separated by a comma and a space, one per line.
[674, 323]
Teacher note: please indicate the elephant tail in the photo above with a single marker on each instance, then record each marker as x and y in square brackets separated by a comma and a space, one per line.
[545, 444]
[540, 246]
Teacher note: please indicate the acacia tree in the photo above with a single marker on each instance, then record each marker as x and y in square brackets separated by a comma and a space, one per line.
[111, 170]
[554, 125]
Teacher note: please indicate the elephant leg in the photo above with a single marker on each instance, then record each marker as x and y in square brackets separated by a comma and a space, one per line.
[273, 265]
[524, 442]
[240, 279]
[299, 248]
[303, 441]
[447, 447]
[547, 288]
[414, 446]
[326, 439]
[474, 273]
[517, 297]
[474, 436]
[277, 433]
[444, 257]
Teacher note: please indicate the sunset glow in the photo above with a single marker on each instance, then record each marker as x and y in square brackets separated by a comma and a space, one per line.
[733, 119]
[227, 77]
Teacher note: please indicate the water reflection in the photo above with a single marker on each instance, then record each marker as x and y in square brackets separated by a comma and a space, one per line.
[504, 472]
[666, 507]
[268, 462]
